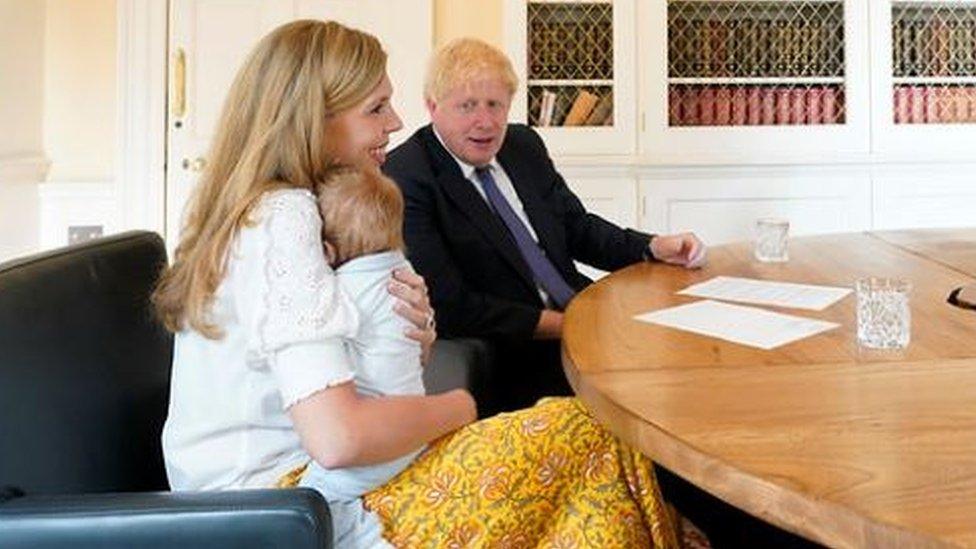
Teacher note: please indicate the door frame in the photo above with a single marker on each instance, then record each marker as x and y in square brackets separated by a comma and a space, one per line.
[141, 92]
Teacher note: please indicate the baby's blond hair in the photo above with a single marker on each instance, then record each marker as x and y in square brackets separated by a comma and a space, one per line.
[362, 212]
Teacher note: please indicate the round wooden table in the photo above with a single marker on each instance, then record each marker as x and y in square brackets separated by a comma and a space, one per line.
[845, 447]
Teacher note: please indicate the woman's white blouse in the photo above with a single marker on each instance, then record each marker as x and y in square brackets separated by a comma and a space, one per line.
[282, 317]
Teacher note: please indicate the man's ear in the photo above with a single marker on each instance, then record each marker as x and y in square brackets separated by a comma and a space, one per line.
[431, 105]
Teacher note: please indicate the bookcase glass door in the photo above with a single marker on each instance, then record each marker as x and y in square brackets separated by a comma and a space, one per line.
[934, 62]
[576, 62]
[754, 80]
[923, 79]
[755, 63]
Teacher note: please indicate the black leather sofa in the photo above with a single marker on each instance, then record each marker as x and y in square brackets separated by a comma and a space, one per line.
[84, 383]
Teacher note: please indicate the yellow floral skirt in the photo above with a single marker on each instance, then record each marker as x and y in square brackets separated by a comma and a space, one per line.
[546, 476]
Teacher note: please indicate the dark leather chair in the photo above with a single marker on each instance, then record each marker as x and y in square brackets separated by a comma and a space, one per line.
[84, 384]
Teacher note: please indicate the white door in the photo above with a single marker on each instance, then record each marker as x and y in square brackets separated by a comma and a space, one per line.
[208, 40]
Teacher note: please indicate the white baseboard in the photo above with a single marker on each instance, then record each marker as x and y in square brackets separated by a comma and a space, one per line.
[66, 204]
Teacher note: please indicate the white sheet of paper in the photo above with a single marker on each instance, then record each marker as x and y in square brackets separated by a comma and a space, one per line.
[767, 292]
[737, 323]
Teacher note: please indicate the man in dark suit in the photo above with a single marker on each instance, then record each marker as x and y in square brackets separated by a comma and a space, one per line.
[495, 230]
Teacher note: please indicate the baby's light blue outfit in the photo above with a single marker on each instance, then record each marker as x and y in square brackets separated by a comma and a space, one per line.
[385, 362]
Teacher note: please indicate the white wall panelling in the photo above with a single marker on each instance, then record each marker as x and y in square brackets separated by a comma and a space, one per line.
[19, 176]
[67, 204]
[721, 205]
[932, 195]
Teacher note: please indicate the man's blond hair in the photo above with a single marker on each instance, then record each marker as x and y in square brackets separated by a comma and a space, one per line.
[466, 60]
[362, 212]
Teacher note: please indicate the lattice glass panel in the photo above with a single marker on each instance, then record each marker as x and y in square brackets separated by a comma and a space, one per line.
[730, 38]
[570, 41]
[593, 106]
[933, 39]
[754, 105]
[935, 104]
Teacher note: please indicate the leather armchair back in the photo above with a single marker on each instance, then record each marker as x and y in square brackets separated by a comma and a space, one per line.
[84, 369]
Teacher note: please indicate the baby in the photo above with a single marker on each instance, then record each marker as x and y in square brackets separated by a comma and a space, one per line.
[362, 220]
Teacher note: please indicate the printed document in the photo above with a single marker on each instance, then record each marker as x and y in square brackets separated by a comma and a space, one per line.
[767, 292]
[737, 323]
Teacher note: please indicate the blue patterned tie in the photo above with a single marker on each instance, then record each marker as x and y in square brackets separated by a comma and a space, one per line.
[543, 270]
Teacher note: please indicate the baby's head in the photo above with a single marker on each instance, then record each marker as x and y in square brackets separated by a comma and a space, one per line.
[362, 213]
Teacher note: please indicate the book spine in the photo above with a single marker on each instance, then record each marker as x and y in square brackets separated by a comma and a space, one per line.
[723, 106]
[739, 106]
[690, 106]
[706, 104]
[798, 106]
[753, 106]
[829, 103]
[901, 104]
[768, 103]
[815, 106]
[916, 105]
[783, 111]
[674, 107]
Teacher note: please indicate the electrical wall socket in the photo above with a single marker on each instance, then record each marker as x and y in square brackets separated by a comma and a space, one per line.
[82, 233]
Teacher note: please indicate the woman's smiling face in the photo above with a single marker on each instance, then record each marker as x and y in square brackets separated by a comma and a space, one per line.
[359, 135]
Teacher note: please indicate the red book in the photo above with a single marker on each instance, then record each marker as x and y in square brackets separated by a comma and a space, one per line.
[814, 106]
[916, 105]
[689, 107]
[829, 102]
[707, 106]
[723, 106]
[768, 106]
[784, 115]
[971, 96]
[931, 106]
[901, 105]
[753, 106]
[960, 99]
[739, 102]
[674, 107]
[798, 106]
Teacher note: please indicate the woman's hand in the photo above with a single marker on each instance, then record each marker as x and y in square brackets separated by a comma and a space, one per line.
[414, 305]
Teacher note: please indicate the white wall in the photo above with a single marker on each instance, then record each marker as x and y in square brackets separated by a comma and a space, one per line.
[21, 117]
[79, 89]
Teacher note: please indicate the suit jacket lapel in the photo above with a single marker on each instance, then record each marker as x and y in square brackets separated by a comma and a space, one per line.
[473, 206]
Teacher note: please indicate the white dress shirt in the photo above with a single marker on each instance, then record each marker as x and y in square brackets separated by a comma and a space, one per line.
[504, 185]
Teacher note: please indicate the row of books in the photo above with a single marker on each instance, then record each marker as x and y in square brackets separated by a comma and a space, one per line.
[573, 107]
[755, 105]
[571, 51]
[934, 47]
[708, 48]
[935, 104]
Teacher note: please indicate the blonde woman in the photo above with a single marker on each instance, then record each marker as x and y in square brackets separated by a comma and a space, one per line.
[262, 386]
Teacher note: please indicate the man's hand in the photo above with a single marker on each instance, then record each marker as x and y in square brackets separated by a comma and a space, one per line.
[684, 249]
[550, 325]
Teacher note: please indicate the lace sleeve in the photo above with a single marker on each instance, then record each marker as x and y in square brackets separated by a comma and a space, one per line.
[300, 312]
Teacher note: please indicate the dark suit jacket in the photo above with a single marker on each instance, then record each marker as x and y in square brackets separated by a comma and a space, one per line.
[480, 285]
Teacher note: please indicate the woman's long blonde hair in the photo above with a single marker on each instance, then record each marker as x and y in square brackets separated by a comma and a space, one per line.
[272, 134]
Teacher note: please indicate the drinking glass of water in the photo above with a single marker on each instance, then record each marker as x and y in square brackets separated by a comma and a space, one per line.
[884, 317]
[771, 240]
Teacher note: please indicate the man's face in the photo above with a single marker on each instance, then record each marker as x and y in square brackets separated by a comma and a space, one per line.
[472, 118]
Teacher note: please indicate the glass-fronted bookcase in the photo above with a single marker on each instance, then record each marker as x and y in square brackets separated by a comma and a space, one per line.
[575, 62]
[925, 97]
[753, 80]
